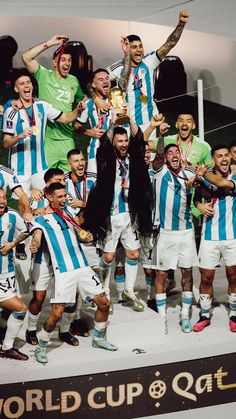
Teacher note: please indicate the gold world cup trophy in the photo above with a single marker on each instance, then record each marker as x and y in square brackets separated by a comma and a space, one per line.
[117, 100]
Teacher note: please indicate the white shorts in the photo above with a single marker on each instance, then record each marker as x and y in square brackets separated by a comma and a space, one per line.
[40, 275]
[7, 286]
[175, 249]
[121, 229]
[148, 246]
[66, 284]
[22, 270]
[211, 251]
[29, 182]
[90, 252]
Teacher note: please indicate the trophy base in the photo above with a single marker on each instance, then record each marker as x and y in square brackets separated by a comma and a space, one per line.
[122, 119]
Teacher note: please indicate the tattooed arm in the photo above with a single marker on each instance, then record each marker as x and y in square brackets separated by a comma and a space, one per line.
[159, 159]
[123, 80]
[174, 36]
[5, 248]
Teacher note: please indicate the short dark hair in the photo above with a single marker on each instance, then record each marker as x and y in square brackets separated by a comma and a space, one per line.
[168, 146]
[218, 147]
[62, 49]
[73, 152]
[186, 112]
[132, 38]
[232, 144]
[99, 70]
[20, 72]
[53, 171]
[119, 130]
[55, 187]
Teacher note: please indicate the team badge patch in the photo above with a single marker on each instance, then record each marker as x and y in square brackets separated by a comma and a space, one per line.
[15, 180]
[9, 124]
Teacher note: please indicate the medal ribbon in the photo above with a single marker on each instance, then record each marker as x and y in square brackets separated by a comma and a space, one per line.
[177, 175]
[184, 157]
[60, 50]
[31, 118]
[84, 190]
[66, 217]
[102, 120]
[123, 170]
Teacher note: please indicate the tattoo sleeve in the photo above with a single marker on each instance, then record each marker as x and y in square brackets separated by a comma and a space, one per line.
[123, 80]
[158, 161]
[171, 41]
[110, 131]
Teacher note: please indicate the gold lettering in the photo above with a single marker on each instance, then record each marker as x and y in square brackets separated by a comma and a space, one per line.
[121, 396]
[206, 386]
[133, 390]
[65, 395]
[91, 395]
[219, 375]
[184, 393]
[1, 404]
[20, 407]
[48, 402]
[33, 397]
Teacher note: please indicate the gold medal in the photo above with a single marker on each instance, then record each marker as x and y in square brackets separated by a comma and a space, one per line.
[143, 98]
[35, 130]
[124, 185]
[82, 234]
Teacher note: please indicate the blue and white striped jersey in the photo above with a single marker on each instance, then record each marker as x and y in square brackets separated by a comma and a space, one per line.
[43, 203]
[120, 197]
[102, 120]
[11, 222]
[63, 244]
[80, 188]
[8, 179]
[222, 226]
[27, 157]
[141, 82]
[172, 200]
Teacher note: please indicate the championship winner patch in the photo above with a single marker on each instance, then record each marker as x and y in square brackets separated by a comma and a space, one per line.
[9, 124]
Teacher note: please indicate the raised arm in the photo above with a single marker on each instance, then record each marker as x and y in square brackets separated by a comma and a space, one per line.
[174, 36]
[23, 203]
[29, 56]
[124, 78]
[156, 121]
[159, 159]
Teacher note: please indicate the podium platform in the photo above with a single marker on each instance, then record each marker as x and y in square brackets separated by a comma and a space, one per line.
[153, 374]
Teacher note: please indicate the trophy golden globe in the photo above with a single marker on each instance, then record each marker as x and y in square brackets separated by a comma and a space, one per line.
[117, 100]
